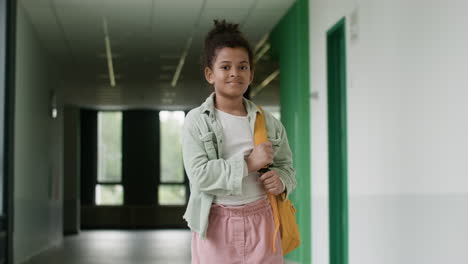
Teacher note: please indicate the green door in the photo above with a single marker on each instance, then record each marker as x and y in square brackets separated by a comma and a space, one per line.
[337, 149]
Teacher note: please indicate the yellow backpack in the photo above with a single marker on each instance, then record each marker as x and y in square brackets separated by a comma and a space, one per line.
[283, 209]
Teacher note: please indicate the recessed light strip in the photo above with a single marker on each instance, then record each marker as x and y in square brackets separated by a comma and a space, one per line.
[261, 43]
[110, 65]
[262, 52]
[181, 62]
[265, 82]
[187, 46]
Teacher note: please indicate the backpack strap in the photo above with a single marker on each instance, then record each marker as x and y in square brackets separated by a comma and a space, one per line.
[260, 136]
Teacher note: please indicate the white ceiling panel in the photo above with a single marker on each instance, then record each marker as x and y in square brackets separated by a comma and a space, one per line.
[34, 3]
[230, 15]
[262, 21]
[164, 22]
[173, 4]
[274, 4]
[84, 32]
[130, 13]
[41, 15]
[82, 20]
[95, 3]
[72, 3]
[48, 30]
[230, 4]
[131, 35]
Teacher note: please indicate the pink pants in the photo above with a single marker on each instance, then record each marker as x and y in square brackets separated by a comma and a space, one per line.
[238, 235]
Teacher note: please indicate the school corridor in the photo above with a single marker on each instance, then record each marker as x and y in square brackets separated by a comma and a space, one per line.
[94, 93]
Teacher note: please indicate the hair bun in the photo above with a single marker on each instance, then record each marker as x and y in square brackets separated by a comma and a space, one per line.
[222, 27]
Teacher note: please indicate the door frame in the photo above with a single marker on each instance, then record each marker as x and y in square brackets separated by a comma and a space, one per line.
[9, 8]
[337, 142]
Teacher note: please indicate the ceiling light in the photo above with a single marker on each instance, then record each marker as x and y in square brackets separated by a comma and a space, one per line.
[262, 52]
[181, 62]
[110, 65]
[265, 82]
[261, 42]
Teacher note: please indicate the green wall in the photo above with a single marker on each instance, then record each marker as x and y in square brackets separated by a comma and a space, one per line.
[290, 45]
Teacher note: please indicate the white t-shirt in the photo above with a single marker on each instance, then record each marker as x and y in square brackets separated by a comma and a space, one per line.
[238, 138]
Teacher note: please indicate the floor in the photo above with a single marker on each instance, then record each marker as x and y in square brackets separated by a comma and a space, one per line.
[121, 247]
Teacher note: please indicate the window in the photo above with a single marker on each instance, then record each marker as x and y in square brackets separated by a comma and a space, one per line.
[172, 189]
[109, 189]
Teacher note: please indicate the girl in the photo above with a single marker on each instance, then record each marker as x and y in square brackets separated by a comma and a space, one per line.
[228, 211]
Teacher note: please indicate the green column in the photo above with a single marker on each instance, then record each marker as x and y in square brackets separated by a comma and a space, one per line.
[290, 45]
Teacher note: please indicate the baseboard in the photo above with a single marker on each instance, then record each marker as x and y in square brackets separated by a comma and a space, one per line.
[27, 259]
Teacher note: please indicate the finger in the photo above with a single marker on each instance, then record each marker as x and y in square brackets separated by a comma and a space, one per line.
[269, 174]
[277, 190]
[273, 179]
[273, 191]
[268, 186]
[269, 181]
[271, 185]
[266, 175]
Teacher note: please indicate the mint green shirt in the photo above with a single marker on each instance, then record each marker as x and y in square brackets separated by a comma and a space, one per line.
[210, 175]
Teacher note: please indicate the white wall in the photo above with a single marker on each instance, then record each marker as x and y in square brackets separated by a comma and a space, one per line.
[407, 126]
[38, 157]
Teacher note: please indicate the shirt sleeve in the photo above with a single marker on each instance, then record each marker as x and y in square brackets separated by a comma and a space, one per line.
[213, 176]
[282, 160]
[284, 185]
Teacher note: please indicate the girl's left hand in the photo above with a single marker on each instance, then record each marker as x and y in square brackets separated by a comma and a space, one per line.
[272, 182]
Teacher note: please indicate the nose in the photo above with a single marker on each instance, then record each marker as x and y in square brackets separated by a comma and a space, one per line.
[234, 72]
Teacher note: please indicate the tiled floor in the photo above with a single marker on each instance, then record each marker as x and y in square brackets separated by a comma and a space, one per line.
[121, 247]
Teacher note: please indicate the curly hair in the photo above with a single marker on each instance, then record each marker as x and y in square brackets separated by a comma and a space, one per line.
[223, 35]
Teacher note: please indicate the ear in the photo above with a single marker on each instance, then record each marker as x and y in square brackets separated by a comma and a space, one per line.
[209, 75]
[251, 77]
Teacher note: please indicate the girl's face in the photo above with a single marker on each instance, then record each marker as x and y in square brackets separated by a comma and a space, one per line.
[230, 73]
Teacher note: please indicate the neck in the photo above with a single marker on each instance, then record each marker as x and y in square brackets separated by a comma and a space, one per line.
[233, 106]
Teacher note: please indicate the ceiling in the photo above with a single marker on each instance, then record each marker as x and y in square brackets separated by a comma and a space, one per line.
[147, 40]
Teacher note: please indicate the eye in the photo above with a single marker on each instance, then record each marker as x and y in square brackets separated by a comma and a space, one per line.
[244, 67]
[225, 67]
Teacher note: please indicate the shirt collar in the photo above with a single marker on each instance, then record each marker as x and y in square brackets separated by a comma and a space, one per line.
[208, 106]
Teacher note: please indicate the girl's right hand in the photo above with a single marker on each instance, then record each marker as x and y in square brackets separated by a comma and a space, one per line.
[261, 156]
